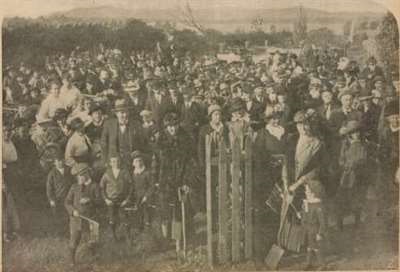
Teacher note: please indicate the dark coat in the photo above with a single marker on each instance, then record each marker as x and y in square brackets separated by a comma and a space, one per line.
[158, 109]
[192, 119]
[109, 138]
[72, 202]
[58, 185]
[267, 170]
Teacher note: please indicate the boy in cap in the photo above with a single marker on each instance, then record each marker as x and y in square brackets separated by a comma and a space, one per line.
[82, 200]
[314, 222]
[59, 181]
[353, 160]
[116, 189]
[144, 188]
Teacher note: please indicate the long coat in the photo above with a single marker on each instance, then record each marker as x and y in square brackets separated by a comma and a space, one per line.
[266, 170]
[310, 163]
[174, 167]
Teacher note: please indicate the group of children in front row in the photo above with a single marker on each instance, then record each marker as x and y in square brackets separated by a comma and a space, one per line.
[118, 188]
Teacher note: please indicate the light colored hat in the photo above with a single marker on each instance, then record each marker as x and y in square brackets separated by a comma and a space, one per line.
[121, 105]
[131, 86]
[146, 113]
[213, 108]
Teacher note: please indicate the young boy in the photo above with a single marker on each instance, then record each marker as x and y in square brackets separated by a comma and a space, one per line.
[144, 188]
[82, 200]
[116, 189]
[59, 181]
[313, 220]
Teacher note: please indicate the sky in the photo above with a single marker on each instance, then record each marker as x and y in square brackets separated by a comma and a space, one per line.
[36, 8]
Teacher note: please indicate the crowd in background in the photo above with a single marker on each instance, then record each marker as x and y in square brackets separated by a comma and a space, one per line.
[134, 124]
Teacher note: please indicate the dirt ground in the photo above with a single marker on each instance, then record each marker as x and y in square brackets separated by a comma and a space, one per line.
[373, 246]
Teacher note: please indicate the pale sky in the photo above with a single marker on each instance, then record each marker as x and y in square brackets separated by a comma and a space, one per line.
[35, 8]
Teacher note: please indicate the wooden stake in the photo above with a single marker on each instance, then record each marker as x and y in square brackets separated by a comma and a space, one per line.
[222, 203]
[209, 203]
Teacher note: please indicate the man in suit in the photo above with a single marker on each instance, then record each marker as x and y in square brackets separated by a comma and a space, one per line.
[175, 100]
[135, 98]
[121, 135]
[339, 118]
[192, 116]
[157, 102]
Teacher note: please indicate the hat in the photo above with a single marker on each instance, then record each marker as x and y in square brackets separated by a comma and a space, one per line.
[77, 123]
[237, 105]
[79, 168]
[171, 119]
[378, 78]
[299, 117]
[345, 91]
[95, 107]
[131, 86]
[121, 105]
[146, 113]
[372, 60]
[392, 108]
[270, 114]
[365, 97]
[136, 154]
[315, 82]
[213, 108]
[350, 127]
[197, 83]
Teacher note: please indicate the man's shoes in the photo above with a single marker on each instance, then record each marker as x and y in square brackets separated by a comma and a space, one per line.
[309, 267]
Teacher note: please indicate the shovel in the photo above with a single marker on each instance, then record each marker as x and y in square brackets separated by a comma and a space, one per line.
[276, 252]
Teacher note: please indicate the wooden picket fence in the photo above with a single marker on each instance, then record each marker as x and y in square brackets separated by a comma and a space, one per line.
[230, 171]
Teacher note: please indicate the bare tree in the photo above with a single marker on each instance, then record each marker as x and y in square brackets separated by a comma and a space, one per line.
[300, 26]
[188, 19]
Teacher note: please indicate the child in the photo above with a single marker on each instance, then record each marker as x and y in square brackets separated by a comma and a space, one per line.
[313, 220]
[144, 188]
[82, 200]
[116, 189]
[59, 181]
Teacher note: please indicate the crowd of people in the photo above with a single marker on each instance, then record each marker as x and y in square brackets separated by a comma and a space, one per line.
[127, 132]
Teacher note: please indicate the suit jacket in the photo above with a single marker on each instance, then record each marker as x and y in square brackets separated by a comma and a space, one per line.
[134, 112]
[192, 119]
[158, 109]
[109, 138]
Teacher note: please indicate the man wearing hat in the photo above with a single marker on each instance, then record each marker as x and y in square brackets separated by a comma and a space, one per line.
[79, 146]
[174, 146]
[192, 116]
[82, 199]
[156, 101]
[121, 135]
[135, 97]
[353, 184]
[371, 71]
[59, 181]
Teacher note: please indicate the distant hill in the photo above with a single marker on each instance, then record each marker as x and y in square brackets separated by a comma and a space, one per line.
[225, 19]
